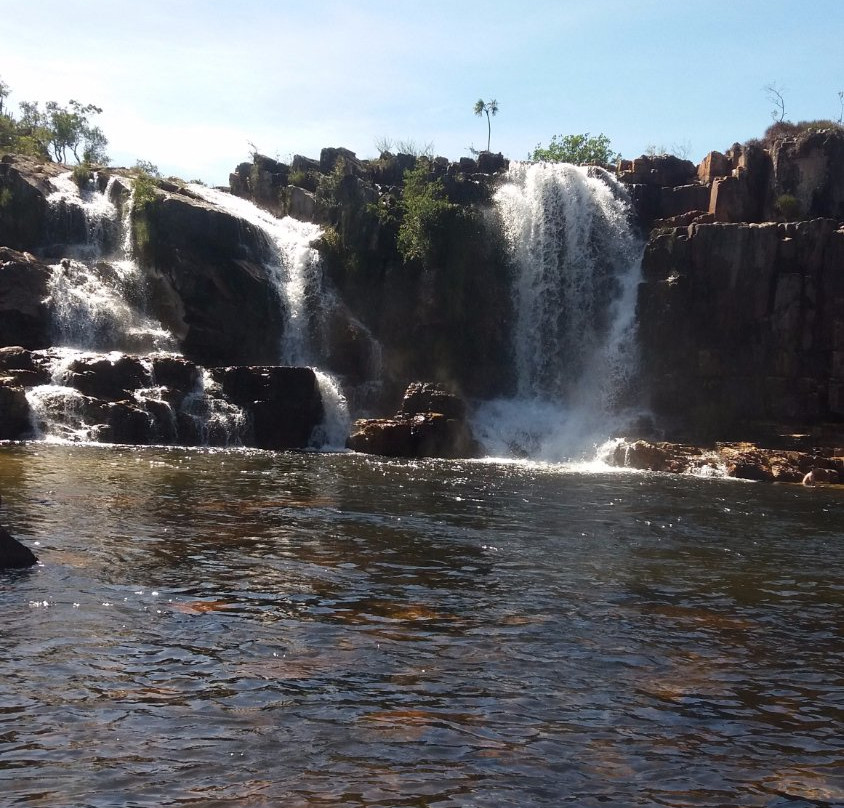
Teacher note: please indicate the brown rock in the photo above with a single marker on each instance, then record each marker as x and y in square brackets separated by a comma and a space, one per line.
[712, 166]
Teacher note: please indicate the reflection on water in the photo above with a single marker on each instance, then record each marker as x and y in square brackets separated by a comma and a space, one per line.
[249, 628]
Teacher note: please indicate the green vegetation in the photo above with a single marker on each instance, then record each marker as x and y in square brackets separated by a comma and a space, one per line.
[577, 149]
[425, 213]
[82, 175]
[144, 189]
[488, 108]
[788, 207]
[54, 133]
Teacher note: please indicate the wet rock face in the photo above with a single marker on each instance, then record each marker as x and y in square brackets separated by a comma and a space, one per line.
[206, 273]
[23, 204]
[430, 423]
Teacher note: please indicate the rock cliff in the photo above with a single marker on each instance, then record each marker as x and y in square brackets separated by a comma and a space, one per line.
[740, 313]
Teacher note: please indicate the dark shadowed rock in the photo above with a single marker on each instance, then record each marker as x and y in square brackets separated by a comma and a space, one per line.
[15, 423]
[424, 397]
[24, 316]
[284, 404]
[206, 274]
[110, 380]
[24, 186]
[13, 554]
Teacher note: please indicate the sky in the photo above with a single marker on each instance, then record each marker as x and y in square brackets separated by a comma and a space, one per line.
[194, 87]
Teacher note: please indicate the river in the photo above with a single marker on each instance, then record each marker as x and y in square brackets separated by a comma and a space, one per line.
[244, 628]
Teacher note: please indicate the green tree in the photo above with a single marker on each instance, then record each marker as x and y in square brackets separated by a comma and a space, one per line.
[578, 149]
[63, 132]
[489, 108]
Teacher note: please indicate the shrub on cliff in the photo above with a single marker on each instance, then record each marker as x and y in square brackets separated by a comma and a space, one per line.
[787, 129]
[425, 211]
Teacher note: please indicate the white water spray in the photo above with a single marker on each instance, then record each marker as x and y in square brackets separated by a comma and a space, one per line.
[577, 267]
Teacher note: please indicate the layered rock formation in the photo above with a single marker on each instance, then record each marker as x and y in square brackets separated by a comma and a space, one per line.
[741, 318]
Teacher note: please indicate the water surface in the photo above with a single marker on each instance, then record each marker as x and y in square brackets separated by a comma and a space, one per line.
[254, 629]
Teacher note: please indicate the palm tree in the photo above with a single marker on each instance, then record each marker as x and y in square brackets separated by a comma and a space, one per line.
[490, 108]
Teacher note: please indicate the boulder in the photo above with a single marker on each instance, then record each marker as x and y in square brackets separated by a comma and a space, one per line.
[431, 422]
[425, 397]
[822, 476]
[329, 158]
[389, 437]
[13, 554]
[205, 270]
[179, 376]
[489, 163]
[660, 170]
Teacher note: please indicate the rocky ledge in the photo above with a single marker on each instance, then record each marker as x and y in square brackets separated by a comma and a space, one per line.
[158, 398]
[431, 422]
[744, 461]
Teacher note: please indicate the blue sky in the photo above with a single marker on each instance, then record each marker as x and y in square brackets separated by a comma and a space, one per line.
[188, 85]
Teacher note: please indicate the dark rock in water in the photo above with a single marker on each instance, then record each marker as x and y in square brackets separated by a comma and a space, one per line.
[24, 317]
[390, 437]
[424, 397]
[430, 423]
[284, 404]
[13, 554]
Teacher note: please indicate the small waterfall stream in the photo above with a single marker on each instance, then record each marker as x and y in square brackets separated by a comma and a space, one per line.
[577, 266]
[295, 268]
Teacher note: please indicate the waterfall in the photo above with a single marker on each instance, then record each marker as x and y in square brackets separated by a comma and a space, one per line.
[97, 293]
[295, 268]
[97, 300]
[576, 269]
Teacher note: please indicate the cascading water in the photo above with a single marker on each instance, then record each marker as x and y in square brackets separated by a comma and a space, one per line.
[294, 265]
[577, 266]
[97, 300]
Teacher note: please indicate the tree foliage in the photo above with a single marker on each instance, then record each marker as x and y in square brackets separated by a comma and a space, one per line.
[488, 108]
[580, 149]
[55, 133]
